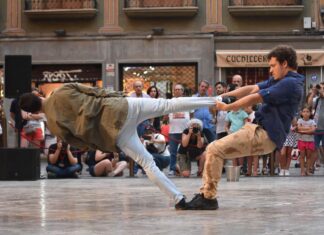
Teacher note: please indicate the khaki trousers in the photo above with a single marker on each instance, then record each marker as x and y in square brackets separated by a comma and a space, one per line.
[251, 140]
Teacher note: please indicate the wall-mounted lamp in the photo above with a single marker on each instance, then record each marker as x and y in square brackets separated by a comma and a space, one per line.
[60, 32]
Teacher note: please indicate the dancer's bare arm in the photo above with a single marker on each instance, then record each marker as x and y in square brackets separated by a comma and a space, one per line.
[242, 91]
[241, 103]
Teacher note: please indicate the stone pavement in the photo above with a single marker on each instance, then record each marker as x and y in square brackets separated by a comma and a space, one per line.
[254, 205]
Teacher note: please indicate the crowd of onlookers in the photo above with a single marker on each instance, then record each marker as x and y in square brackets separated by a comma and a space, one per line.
[178, 140]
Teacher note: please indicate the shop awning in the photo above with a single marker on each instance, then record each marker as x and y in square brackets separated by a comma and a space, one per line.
[249, 58]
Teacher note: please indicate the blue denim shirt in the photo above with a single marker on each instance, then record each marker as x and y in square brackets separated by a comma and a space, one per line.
[204, 115]
[280, 103]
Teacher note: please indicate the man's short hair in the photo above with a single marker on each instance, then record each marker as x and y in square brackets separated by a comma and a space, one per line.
[223, 84]
[204, 81]
[30, 102]
[284, 53]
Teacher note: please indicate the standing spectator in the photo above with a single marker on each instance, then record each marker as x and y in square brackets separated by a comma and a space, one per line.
[235, 120]
[138, 93]
[313, 95]
[205, 114]
[1, 131]
[177, 123]
[153, 92]
[16, 116]
[138, 90]
[165, 129]
[104, 164]
[62, 161]
[220, 115]
[318, 105]
[237, 80]
[251, 160]
[28, 125]
[33, 132]
[288, 146]
[306, 145]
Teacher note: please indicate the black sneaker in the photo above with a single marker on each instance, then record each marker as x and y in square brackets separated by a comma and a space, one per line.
[182, 205]
[199, 202]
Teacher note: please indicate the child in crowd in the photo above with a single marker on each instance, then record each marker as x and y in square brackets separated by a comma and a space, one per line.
[234, 121]
[306, 145]
[285, 152]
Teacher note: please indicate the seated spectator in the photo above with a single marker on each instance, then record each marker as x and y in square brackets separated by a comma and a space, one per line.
[156, 145]
[191, 148]
[63, 161]
[104, 164]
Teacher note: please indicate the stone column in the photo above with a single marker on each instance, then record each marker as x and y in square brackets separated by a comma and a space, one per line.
[111, 14]
[13, 24]
[214, 17]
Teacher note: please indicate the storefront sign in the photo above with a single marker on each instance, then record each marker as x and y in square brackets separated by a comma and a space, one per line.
[245, 58]
[110, 70]
[66, 73]
[61, 76]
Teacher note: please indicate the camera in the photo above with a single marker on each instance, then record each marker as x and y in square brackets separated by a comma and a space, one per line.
[64, 145]
[195, 130]
[229, 99]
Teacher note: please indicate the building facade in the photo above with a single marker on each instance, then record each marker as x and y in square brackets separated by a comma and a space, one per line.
[111, 43]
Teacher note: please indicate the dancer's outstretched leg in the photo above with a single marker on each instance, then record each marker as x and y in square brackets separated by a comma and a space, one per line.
[143, 109]
[133, 147]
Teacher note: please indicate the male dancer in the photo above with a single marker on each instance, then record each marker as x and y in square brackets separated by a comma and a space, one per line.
[87, 117]
[280, 95]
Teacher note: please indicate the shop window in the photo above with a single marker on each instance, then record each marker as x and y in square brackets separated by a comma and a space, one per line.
[162, 76]
[48, 9]
[252, 76]
[160, 8]
[248, 8]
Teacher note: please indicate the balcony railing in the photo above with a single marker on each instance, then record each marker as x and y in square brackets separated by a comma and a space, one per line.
[160, 8]
[60, 8]
[265, 7]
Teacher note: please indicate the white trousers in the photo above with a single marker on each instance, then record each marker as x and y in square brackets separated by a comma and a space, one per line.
[140, 109]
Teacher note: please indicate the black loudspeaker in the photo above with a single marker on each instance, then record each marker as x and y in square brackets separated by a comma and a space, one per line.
[19, 164]
[18, 70]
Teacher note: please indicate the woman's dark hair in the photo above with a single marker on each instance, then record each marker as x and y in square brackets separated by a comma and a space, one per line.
[30, 102]
[157, 91]
[310, 109]
[284, 53]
